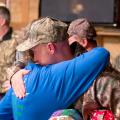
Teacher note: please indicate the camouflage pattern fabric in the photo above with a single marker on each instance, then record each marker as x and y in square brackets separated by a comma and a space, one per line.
[9, 64]
[7, 57]
[103, 94]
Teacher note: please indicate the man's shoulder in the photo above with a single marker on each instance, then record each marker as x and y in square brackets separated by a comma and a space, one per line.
[31, 66]
[8, 46]
[10, 42]
[97, 52]
[109, 78]
[100, 49]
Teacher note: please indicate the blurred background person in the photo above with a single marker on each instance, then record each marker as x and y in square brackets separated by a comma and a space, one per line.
[10, 61]
[7, 48]
[105, 91]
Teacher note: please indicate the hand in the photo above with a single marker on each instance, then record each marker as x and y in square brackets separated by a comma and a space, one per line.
[11, 70]
[18, 83]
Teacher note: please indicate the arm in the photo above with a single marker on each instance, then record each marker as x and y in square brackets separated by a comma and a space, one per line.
[22, 59]
[83, 69]
[79, 73]
[6, 107]
[18, 83]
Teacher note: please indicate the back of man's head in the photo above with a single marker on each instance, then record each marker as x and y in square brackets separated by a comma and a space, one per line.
[82, 35]
[83, 28]
[5, 14]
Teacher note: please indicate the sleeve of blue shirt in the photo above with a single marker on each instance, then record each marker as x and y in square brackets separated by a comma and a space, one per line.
[6, 107]
[72, 78]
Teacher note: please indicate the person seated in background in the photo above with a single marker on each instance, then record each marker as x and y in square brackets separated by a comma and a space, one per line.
[7, 48]
[51, 85]
[8, 62]
[105, 91]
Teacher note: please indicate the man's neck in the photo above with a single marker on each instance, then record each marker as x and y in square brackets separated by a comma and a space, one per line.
[65, 56]
[65, 53]
[90, 47]
[3, 30]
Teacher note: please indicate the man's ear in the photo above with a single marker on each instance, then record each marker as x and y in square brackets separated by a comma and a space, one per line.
[2, 21]
[51, 48]
[84, 42]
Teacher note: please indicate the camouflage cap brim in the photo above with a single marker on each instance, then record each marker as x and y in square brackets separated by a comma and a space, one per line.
[26, 45]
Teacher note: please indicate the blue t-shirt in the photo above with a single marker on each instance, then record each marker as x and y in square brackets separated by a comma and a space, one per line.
[56, 86]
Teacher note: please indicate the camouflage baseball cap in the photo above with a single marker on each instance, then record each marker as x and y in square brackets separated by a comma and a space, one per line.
[83, 28]
[43, 30]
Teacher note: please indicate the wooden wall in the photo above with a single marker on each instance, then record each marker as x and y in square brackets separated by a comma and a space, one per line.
[110, 39]
[23, 11]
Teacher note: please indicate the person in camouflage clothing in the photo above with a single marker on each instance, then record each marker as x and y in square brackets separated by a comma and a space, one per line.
[103, 94]
[8, 45]
[105, 91]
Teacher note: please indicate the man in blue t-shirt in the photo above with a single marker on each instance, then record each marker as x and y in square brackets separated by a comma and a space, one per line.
[51, 85]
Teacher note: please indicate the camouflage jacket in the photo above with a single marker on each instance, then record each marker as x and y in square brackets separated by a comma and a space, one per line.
[8, 61]
[103, 94]
[7, 56]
